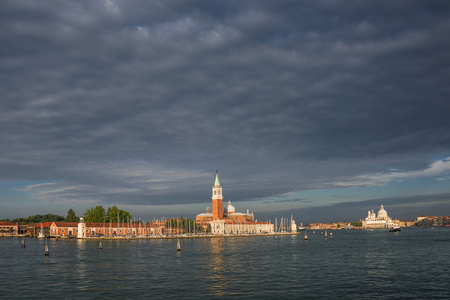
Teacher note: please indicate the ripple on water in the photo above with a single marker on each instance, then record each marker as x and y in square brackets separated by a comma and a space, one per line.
[363, 264]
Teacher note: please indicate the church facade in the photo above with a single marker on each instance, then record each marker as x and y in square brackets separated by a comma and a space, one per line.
[380, 220]
[228, 221]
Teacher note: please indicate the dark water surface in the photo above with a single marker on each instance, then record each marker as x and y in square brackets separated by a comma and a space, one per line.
[412, 264]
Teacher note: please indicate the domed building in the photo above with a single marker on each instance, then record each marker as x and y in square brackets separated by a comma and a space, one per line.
[227, 220]
[382, 214]
[229, 209]
[380, 220]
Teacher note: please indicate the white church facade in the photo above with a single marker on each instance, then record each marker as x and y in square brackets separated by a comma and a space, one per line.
[380, 220]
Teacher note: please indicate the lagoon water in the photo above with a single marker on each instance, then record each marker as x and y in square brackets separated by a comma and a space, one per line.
[411, 264]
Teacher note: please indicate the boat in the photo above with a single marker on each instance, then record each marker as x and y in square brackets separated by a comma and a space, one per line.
[41, 233]
[301, 228]
[396, 228]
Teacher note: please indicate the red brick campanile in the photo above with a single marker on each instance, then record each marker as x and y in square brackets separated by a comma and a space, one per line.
[217, 199]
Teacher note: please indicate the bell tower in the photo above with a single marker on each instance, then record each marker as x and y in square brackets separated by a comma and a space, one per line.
[217, 199]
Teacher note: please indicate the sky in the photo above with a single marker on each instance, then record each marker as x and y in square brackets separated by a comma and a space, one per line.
[318, 109]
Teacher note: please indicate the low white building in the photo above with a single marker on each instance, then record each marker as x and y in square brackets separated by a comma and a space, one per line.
[220, 227]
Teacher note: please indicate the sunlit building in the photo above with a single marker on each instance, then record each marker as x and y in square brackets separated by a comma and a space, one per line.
[8, 228]
[227, 220]
[93, 229]
[380, 220]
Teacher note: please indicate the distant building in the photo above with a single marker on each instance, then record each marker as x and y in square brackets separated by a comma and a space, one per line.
[433, 221]
[228, 221]
[421, 217]
[8, 228]
[333, 225]
[42, 227]
[382, 220]
[93, 229]
[403, 223]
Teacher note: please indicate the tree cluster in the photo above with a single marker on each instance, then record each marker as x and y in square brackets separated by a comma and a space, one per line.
[112, 214]
[357, 224]
[39, 219]
[97, 214]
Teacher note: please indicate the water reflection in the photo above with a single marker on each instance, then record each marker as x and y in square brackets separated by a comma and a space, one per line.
[217, 267]
[80, 264]
[353, 264]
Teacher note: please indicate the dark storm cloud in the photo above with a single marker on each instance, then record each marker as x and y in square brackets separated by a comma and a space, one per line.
[113, 100]
[402, 208]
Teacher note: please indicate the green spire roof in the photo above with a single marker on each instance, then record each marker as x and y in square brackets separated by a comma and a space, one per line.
[217, 178]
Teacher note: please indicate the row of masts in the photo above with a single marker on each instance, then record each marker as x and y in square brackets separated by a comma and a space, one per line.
[285, 225]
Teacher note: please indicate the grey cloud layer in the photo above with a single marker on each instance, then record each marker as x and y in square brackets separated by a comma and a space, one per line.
[285, 95]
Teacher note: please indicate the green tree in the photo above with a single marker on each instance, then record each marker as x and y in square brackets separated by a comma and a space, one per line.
[39, 219]
[71, 216]
[124, 215]
[99, 214]
[357, 224]
[113, 213]
[89, 215]
[20, 221]
[96, 214]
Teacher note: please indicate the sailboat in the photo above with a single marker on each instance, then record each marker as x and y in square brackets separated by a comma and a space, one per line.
[178, 246]
[301, 228]
[41, 233]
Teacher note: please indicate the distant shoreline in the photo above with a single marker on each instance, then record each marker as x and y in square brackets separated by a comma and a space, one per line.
[158, 237]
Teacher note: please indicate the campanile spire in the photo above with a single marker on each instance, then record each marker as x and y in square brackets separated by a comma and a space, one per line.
[217, 199]
[217, 183]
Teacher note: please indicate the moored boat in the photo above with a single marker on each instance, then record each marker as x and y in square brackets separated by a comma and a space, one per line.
[41, 233]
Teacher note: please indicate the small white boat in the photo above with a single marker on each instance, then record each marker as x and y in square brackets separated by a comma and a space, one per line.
[396, 228]
[41, 233]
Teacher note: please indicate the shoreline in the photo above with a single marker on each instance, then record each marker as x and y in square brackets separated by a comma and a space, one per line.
[156, 237]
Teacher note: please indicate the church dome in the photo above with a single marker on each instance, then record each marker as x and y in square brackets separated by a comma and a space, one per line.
[229, 209]
[382, 214]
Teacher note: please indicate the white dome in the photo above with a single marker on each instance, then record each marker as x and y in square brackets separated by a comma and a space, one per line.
[382, 214]
[229, 209]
